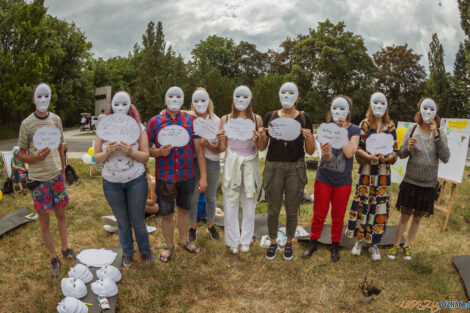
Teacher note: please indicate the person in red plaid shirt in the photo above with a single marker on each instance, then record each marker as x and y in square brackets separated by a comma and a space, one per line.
[174, 171]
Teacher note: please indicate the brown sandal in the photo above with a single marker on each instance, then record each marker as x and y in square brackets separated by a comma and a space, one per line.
[187, 248]
[166, 258]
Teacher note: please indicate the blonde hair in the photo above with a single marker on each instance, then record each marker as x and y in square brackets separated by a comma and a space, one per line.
[210, 107]
[372, 120]
[249, 110]
[329, 117]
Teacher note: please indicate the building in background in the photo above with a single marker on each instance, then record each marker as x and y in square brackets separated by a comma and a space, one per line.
[102, 99]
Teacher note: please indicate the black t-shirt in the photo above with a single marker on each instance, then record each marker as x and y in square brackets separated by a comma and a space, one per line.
[287, 151]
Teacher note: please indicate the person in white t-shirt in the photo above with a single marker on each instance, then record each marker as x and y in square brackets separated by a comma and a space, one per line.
[202, 107]
[125, 183]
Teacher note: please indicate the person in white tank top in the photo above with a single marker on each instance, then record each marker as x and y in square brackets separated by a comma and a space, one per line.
[241, 181]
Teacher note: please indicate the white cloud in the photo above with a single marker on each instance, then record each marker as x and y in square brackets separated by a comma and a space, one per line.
[114, 26]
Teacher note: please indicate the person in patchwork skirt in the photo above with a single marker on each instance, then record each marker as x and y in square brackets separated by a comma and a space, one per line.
[369, 211]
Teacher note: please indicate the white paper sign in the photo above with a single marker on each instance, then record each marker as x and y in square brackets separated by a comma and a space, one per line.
[380, 143]
[458, 133]
[47, 137]
[239, 128]
[118, 127]
[206, 128]
[332, 133]
[174, 135]
[284, 128]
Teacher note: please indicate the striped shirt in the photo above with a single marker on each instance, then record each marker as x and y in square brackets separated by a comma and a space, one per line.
[51, 166]
[178, 165]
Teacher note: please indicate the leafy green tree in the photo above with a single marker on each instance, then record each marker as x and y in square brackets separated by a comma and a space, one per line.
[215, 52]
[265, 93]
[437, 84]
[401, 77]
[460, 65]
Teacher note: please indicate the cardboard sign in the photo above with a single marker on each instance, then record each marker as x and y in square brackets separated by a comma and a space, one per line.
[174, 135]
[206, 128]
[47, 137]
[239, 128]
[284, 128]
[380, 143]
[118, 127]
[332, 133]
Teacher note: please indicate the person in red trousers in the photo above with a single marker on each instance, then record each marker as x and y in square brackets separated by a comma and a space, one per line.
[333, 180]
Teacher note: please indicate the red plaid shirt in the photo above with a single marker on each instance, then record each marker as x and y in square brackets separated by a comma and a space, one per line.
[178, 165]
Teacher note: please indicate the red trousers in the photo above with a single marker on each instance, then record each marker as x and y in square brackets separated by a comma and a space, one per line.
[323, 195]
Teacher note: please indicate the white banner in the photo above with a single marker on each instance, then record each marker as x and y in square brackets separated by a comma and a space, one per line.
[47, 137]
[284, 128]
[332, 133]
[174, 135]
[118, 127]
[239, 128]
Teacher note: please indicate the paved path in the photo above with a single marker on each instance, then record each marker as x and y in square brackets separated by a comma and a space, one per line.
[77, 145]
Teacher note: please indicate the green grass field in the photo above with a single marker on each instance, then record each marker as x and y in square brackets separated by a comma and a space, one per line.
[216, 281]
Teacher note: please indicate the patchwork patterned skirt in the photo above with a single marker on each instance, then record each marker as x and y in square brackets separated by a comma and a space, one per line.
[369, 211]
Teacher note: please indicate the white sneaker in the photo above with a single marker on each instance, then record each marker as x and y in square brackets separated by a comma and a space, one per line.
[245, 248]
[110, 229]
[109, 220]
[234, 250]
[356, 250]
[375, 253]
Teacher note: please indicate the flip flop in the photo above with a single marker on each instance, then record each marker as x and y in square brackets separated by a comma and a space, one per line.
[186, 247]
[166, 258]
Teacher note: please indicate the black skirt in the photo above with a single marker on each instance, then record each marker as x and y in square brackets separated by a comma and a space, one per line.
[415, 200]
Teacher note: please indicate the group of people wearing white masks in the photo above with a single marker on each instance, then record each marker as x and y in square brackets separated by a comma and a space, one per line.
[183, 172]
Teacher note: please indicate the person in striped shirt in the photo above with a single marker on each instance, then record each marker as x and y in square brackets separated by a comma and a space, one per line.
[174, 171]
[46, 173]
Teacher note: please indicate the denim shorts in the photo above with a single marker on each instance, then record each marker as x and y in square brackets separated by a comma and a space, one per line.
[183, 199]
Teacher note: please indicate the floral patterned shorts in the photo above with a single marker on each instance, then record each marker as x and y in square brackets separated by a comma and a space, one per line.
[50, 194]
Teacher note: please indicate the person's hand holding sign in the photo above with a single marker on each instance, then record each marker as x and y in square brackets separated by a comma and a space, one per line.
[42, 154]
[389, 158]
[307, 134]
[326, 151]
[126, 148]
[375, 157]
[112, 146]
[220, 135]
[165, 150]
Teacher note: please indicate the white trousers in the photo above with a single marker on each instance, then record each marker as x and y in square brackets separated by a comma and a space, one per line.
[233, 238]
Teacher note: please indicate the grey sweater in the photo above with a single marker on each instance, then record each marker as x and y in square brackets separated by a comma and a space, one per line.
[423, 164]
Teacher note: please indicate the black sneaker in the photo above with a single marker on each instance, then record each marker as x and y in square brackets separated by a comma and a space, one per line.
[312, 247]
[55, 266]
[334, 251]
[69, 254]
[271, 253]
[126, 260]
[148, 257]
[288, 252]
[213, 233]
[192, 235]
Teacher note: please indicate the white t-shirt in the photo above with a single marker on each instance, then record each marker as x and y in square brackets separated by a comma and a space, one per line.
[101, 116]
[83, 120]
[207, 152]
[121, 168]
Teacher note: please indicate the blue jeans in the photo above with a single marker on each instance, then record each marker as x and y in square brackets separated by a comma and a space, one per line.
[127, 200]
[213, 175]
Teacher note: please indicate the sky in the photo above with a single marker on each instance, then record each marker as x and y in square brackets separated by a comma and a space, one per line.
[114, 26]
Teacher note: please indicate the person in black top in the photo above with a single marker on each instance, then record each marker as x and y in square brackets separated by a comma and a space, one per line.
[285, 172]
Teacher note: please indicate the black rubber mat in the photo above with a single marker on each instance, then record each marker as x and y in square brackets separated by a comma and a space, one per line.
[462, 263]
[91, 297]
[348, 243]
[14, 219]
[261, 224]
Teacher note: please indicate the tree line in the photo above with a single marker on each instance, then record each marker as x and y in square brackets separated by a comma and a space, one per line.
[327, 61]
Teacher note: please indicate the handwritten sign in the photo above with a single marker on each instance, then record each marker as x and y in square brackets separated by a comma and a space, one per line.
[380, 143]
[174, 135]
[206, 128]
[239, 128]
[332, 133]
[284, 128]
[118, 127]
[47, 137]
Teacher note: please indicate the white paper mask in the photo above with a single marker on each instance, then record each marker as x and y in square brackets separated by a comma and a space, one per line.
[288, 95]
[378, 104]
[71, 305]
[242, 98]
[42, 97]
[72, 287]
[339, 109]
[104, 287]
[428, 110]
[81, 272]
[174, 98]
[121, 103]
[200, 101]
[110, 272]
